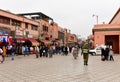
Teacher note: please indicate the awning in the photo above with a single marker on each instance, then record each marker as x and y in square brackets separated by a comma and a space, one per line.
[33, 41]
[46, 41]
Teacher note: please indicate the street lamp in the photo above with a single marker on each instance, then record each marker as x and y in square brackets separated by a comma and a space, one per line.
[96, 17]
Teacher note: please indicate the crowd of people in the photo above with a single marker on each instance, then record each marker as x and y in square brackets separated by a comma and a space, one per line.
[40, 51]
[8, 50]
[49, 51]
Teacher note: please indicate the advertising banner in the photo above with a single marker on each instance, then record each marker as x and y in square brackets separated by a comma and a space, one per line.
[3, 38]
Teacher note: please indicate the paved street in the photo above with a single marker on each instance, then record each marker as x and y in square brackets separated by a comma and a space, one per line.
[59, 69]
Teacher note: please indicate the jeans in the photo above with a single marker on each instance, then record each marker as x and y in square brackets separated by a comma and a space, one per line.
[13, 55]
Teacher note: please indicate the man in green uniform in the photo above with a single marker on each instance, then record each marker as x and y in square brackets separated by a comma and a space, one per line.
[85, 52]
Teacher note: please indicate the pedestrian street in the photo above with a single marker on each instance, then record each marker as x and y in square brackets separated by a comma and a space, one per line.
[59, 69]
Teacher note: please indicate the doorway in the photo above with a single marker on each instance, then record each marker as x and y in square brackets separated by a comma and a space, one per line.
[113, 42]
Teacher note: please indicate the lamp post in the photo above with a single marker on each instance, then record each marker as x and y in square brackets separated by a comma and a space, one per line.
[96, 17]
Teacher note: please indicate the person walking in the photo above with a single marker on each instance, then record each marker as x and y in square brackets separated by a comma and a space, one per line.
[41, 51]
[54, 49]
[37, 51]
[66, 50]
[62, 50]
[1, 55]
[75, 52]
[85, 53]
[9, 50]
[13, 52]
[4, 52]
[50, 52]
[107, 52]
[111, 55]
[26, 51]
[46, 51]
[102, 54]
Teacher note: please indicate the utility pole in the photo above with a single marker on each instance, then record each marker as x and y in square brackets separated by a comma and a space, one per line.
[96, 17]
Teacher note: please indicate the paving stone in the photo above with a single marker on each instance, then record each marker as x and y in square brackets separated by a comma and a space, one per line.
[59, 69]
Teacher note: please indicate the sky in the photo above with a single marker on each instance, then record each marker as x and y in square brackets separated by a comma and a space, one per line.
[75, 15]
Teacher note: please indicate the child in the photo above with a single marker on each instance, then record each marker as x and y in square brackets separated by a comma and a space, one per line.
[111, 54]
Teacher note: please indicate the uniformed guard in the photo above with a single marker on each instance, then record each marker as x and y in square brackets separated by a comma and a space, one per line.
[85, 53]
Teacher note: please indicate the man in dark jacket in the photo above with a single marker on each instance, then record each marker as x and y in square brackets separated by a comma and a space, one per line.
[107, 53]
[102, 54]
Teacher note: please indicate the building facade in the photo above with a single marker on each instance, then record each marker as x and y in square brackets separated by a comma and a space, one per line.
[61, 35]
[17, 26]
[108, 34]
[33, 25]
[72, 39]
[69, 38]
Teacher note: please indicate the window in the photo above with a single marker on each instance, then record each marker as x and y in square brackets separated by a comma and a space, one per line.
[45, 28]
[16, 23]
[26, 25]
[4, 20]
[34, 27]
[71, 38]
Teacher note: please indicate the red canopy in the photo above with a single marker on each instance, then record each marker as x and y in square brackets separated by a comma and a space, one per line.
[46, 41]
[33, 41]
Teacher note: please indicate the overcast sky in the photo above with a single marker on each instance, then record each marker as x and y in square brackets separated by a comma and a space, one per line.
[75, 15]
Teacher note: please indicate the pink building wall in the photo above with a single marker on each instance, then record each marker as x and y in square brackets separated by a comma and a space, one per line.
[116, 18]
[51, 28]
[34, 33]
[100, 31]
[22, 20]
[54, 30]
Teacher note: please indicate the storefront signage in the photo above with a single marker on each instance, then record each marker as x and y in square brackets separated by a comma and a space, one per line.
[3, 32]
[3, 38]
[30, 36]
[19, 32]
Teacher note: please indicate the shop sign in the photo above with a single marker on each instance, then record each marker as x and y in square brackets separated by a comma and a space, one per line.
[30, 36]
[3, 32]
[19, 32]
[3, 38]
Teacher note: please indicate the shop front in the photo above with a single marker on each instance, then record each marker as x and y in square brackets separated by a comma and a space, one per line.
[5, 37]
[31, 43]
